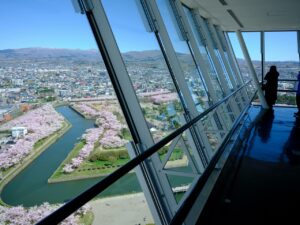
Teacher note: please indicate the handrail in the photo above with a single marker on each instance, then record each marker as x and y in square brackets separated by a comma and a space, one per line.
[285, 90]
[183, 211]
[287, 80]
[70, 207]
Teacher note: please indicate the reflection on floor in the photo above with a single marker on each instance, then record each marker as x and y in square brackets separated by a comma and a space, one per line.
[262, 184]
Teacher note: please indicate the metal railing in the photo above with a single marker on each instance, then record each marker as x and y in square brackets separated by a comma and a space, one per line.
[74, 204]
[286, 80]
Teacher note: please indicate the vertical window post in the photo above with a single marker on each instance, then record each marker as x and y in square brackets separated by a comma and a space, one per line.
[252, 70]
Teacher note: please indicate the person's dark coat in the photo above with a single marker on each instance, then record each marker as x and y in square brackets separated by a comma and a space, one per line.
[271, 86]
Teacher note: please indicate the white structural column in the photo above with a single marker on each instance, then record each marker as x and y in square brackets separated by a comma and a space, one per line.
[263, 55]
[252, 70]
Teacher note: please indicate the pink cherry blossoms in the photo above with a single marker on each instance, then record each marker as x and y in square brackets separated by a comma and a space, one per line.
[86, 109]
[109, 122]
[26, 216]
[108, 134]
[164, 98]
[160, 96]
[113, 127]
[90, 136]
[111, 139]
[40, 123]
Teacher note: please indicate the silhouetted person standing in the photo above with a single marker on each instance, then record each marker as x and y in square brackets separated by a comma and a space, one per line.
[298, 95]
[271, 86]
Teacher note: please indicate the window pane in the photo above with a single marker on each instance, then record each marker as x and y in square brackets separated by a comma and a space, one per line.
[192, 74]
[222, 37]
[244, 69]
[60, 120]
[205, 54]
[217, 53]
[284, 55]
[252, 40]
[146, 67]
[239, 56]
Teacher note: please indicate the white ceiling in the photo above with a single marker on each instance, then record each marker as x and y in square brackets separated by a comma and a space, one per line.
[254, 15]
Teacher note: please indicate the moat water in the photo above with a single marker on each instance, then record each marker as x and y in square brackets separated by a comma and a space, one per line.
[30, 187]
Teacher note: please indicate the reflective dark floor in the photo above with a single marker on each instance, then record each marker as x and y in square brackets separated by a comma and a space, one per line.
[261, 185]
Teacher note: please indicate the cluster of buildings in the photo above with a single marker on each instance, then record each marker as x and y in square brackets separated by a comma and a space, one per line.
[32, 82]
[43, 80]
[35, 81]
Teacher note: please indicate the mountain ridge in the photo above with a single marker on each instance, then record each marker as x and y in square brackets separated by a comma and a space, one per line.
[39, 53]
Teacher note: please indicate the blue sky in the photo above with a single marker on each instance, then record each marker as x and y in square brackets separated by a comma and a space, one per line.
[279, 46]
[54, 24]
[43, 23]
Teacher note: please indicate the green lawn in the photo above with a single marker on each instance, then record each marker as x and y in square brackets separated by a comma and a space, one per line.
[88, 168]
[75, 151]
[176, 154]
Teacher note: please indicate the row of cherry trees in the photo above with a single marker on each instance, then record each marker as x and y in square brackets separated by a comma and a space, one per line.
[20, 215]
[107, 134]
[164, 98]
[40, 123]
[91, 136]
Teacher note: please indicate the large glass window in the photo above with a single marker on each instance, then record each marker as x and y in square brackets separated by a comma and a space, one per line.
[192, 73]
[252, 40]
[146, 66]
[61, 126]
[205, 54]
[284, 56]
[281, 50]
[242, 64]
[246, 76]
[218, 55]
[222, 38]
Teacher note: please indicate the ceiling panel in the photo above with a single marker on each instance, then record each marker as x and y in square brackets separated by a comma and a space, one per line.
[254, 15]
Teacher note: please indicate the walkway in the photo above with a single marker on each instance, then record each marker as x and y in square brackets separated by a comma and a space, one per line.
[126, 210]
[262, 184]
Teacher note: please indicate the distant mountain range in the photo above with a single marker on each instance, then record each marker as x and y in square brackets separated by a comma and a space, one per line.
[77, 54]
[91, 55]
[48, 53]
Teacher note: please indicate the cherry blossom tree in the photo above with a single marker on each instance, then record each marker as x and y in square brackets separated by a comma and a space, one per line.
[108, 134]
[40, 123]
[20, 215]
